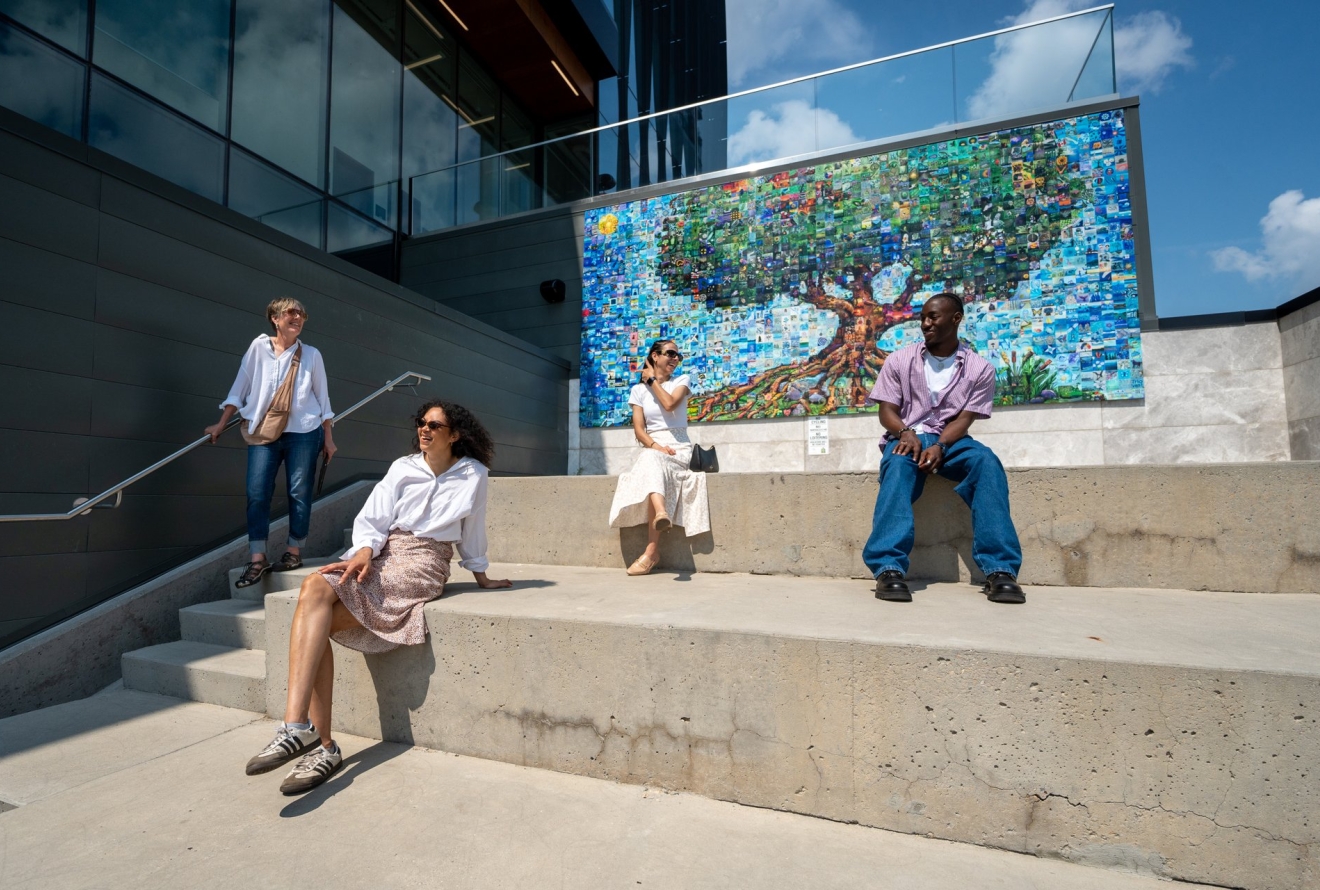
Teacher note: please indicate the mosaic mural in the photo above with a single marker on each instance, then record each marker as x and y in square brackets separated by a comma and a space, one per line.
[786, 292]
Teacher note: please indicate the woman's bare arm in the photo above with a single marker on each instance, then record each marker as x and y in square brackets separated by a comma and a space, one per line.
[639, 430]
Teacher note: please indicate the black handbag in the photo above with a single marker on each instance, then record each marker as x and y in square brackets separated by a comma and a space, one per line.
[704, 460]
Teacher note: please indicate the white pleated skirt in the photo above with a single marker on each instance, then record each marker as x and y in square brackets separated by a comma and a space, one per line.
[653, 471]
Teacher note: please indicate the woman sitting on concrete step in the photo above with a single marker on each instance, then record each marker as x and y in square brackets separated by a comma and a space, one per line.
[281, 392]
[428, 503]
[659, 489]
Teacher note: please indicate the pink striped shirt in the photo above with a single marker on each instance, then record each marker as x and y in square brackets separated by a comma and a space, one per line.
[902, 382]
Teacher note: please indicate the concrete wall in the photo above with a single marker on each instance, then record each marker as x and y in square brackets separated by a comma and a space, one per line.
[1300, 335]
[1043, 741]
[1246, 527]
[125, 303]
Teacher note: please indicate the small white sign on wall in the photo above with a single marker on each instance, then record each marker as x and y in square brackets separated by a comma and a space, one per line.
[818, 435]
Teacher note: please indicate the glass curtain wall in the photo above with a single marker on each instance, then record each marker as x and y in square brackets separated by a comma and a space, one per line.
[311, 116]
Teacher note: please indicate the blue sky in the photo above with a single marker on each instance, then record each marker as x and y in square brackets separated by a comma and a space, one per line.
[1229, 100]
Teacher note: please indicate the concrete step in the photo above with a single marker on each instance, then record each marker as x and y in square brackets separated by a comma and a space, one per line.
[1164, 732]
[235, 623]
[204, 672]
[274, 581]
[128, 765]
[1246, 527]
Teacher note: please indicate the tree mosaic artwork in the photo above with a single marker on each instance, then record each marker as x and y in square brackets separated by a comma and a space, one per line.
[786, 292]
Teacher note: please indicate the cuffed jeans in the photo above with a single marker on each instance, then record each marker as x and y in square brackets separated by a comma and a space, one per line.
[983, 486]
[298, 453]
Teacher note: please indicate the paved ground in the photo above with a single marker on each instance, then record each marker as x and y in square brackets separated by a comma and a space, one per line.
[127, 789]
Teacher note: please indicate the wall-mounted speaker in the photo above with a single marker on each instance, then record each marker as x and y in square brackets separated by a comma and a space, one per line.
[552, 291]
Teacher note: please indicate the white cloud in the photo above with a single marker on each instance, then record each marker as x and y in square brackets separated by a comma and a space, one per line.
[1290, 244]
[1147, 47]
[763, 34]
[1038, 66]
[792, 128]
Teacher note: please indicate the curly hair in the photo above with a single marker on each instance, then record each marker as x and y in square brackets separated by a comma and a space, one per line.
[473, 440]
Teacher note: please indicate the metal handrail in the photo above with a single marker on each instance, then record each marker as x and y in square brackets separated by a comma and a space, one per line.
[82, 506]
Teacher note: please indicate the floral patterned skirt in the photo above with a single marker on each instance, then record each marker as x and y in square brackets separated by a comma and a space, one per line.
[409, 573]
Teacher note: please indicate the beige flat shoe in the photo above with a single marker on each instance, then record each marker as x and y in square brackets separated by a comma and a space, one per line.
[641, 566]
[662, 521]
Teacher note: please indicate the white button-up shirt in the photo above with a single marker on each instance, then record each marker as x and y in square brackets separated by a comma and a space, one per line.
[261, 373]
[411, 498]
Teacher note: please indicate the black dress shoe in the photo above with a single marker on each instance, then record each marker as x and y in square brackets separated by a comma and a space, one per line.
[1001, 587]
[890, 586]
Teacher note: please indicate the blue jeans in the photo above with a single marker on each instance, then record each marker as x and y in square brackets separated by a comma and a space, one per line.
[298, 452]
[983, 486]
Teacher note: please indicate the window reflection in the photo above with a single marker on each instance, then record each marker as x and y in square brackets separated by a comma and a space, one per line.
[40, 83]
[148, 136]
[364, 112]
[430, 122]
[175, 50]
[63, 21]
[280, 78]
[280, 202]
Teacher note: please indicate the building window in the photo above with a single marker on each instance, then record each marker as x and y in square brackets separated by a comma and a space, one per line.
[281, 67]
[25, 62]
[63, 21]
[146, 135]
[174, 50]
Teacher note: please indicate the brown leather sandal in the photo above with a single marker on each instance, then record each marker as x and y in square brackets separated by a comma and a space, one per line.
[641, 566]
[662, 522]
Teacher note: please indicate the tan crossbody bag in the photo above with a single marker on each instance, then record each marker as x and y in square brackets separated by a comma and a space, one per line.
[277, 415]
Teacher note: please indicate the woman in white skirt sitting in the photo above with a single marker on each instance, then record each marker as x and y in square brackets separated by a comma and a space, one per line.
[428, 503]
[659, 489]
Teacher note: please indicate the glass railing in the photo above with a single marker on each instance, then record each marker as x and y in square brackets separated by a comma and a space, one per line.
[1025, 68]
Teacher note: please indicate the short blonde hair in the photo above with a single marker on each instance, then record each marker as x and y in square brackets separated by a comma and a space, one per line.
[279, 306]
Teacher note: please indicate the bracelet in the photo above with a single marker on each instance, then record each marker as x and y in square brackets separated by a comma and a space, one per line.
[906, 429]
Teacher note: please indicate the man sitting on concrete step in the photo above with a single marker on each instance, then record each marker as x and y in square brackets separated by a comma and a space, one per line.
[929, 394]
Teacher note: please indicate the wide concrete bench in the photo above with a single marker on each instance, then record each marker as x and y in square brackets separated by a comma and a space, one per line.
[1170, 733]
[1246, 527]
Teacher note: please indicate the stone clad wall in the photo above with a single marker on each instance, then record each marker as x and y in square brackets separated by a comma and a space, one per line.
[1300, 339]
[1213, 395]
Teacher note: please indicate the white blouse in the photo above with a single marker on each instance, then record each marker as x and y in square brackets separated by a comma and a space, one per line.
[411, 498]
[658, 418]
[261, 372]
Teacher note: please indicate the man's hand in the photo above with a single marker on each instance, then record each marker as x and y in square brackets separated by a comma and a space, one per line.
[931, 459]
[490, 583]
[908, 443]
[360, 564]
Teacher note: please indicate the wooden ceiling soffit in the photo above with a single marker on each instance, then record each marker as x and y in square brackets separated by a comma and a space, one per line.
[520, 45]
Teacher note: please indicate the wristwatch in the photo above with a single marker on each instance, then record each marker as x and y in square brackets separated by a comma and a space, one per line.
[648, 381]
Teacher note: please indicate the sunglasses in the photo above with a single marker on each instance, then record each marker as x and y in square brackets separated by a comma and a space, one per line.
[431, 425]
[295, 313]
[670, 353]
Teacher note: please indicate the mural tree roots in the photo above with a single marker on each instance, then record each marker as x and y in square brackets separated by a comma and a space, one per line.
[838, 377]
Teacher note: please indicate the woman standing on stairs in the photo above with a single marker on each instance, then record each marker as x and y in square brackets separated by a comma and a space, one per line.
[659, 489]
[428, 503]
[281, 392]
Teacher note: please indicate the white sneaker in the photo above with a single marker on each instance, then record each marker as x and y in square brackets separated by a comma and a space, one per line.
[287, 744]
[312, 770]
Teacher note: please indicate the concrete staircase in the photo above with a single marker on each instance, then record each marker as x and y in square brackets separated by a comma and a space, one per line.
[221, 658]
[1167, 732]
